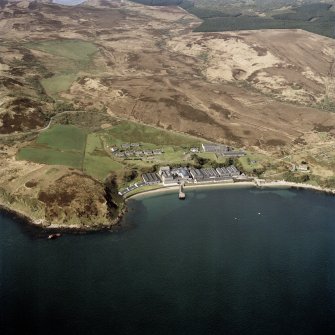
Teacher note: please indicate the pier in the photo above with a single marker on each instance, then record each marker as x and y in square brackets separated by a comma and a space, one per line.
[182, 194]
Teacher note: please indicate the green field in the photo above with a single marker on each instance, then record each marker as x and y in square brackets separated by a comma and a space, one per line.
[63, 137]
[100, 167]
[77, 50]
[252, 161]
[69, 57]
[129, 132]
[59, 145]
[71, 146]
[97, 163]
[58, 83]
[90, 152]
[51, 156]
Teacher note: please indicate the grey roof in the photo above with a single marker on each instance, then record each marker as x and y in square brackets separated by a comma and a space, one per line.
[196, 173]
[209, 173]
[166, 174]
[222, 171]
[150, 177]
[215, 148]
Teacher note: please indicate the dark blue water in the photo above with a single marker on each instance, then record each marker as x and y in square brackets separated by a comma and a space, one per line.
[186, 267]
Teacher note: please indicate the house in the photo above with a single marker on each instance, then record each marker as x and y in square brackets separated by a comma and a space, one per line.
[134, 145]
[139, 153]
[303, 168]
[120, 154]
[157, 152]
[114, 149]
[140, 184]
[233, 153]
[129, 153]
[194, 150]
[125, 146]
[215, 148]
[222, 150]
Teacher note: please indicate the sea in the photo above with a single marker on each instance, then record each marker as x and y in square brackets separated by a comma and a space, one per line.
[224, 261]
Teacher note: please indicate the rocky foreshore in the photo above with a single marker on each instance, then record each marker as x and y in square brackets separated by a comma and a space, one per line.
[115, 223]
[47, 227]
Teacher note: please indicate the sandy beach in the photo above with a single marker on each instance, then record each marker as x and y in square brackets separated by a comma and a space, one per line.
[263, 184]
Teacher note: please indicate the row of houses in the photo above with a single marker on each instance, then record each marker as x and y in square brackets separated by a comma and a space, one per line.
[129, 145]
[222, 150]
[131, 188]
[137, 153]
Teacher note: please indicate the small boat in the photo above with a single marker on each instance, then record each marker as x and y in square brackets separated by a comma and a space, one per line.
[54, 236]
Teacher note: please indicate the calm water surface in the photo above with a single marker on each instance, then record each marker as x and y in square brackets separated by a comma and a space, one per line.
[207, 265]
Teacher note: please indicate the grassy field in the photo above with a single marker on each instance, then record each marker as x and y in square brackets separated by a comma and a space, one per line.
[59, 145]
[129, 132]
[252, 161]
[99, 167]
[69, 57]
[63, 137]
[75, 147]
[58, 83]
[97, 163]
[77, 50]
[51, 156]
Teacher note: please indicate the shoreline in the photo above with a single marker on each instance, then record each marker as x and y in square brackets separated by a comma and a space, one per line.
[165, 189]
[116, 225]
[265, 184]
[36, 226]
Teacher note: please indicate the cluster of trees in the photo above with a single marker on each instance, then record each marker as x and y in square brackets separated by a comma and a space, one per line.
[199, 162]
[130, 175]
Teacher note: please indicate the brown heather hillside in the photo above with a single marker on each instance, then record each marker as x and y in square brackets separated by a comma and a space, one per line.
[151, 67]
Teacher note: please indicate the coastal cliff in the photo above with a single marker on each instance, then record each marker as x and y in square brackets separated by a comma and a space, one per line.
[63, 199]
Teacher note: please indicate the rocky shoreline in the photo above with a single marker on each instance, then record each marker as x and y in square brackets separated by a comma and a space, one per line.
[115, 225]
[37, 227]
